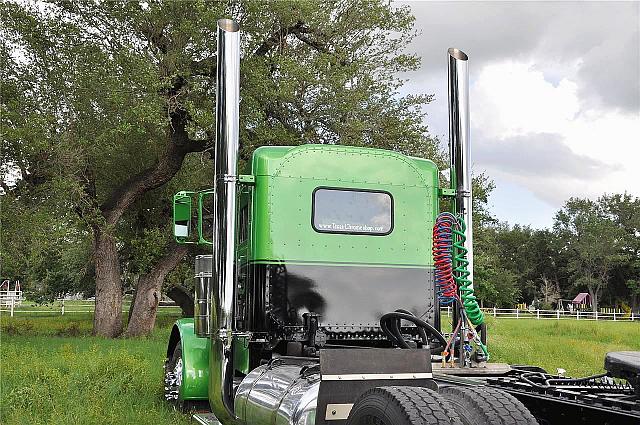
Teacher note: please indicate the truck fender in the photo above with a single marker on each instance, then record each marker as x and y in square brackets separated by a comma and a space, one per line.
[195, 360]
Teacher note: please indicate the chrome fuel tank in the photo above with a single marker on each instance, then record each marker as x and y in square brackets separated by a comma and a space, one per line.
[279, 393]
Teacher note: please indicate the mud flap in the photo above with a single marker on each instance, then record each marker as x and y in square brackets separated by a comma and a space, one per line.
[347, 373]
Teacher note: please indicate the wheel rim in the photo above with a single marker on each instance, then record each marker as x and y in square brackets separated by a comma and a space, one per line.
[173, 382]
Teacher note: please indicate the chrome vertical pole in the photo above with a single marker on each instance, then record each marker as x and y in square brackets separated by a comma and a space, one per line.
[224, 206]
[459, 147]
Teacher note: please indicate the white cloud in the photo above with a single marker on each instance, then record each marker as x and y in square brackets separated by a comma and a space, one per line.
[555, 95]
[519, 118]
[511, 98]
[604, 36]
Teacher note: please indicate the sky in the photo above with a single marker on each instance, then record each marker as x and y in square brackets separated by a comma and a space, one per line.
[554, 97]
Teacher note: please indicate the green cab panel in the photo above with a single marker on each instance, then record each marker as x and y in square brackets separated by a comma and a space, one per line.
[287, 179]
[195, 360]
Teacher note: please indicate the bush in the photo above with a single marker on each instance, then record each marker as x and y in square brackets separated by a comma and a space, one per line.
[14, 328]
[71, 329]
[547, 306]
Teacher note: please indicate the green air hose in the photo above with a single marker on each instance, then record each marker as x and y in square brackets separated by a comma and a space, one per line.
[461, 274]
[453, 284]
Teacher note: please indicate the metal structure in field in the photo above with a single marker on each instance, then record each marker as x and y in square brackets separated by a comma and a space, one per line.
[320, 301]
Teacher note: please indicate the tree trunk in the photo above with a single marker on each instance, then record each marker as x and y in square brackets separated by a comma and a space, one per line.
[107, 319]
[181, 296]
[148, 292]
[594, 300]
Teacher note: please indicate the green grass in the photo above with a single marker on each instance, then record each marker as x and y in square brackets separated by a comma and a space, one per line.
[48, 378]
[54, 372]
[578, 347]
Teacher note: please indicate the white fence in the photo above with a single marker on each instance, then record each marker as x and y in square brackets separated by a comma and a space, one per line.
[514, 313]
[10, 297]
[59, 308]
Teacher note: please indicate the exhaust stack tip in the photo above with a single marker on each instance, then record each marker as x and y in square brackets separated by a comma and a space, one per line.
[458, 54]
[228, 25]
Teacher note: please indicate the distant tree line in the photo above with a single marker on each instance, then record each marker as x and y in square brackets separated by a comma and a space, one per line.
[594, 247]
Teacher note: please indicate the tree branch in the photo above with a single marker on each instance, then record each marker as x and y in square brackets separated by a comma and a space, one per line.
[178, 146]
[156, 37]
[321, 47]
[278, 36]
[153, 177]
[169, 261]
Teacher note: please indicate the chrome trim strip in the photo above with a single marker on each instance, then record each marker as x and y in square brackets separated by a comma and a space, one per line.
[375, 376]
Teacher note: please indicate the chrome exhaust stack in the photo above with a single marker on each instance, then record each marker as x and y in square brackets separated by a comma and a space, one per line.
[459, 148]
[224, 211]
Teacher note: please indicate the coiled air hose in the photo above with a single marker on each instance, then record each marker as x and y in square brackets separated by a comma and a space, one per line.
[461, 274]
[451, 272]
[449, 250]
[442, 258]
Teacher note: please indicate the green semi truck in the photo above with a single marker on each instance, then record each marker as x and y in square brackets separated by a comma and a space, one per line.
[320, 302]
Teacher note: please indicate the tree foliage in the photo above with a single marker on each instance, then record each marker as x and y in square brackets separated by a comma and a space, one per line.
[593, 246]
[107, 107]
[593, 242]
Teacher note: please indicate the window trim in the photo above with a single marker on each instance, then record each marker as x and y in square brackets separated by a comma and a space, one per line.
[350, 189]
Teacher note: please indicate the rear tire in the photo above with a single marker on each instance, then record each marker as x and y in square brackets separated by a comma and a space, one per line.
[485, 405]
[402, 406]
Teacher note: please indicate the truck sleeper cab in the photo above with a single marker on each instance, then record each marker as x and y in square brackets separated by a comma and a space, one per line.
[338, 232]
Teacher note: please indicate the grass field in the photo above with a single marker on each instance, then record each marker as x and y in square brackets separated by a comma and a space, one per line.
[54, 372]
[578, 347]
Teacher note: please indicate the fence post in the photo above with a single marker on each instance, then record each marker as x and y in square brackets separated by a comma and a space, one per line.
[494, 312]
[558, 314]
[63, 307]
[537, 313]
[614, 316]
[577, 314]
[13, 301]
[517, 313]
[596, 314]
[632, 315]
